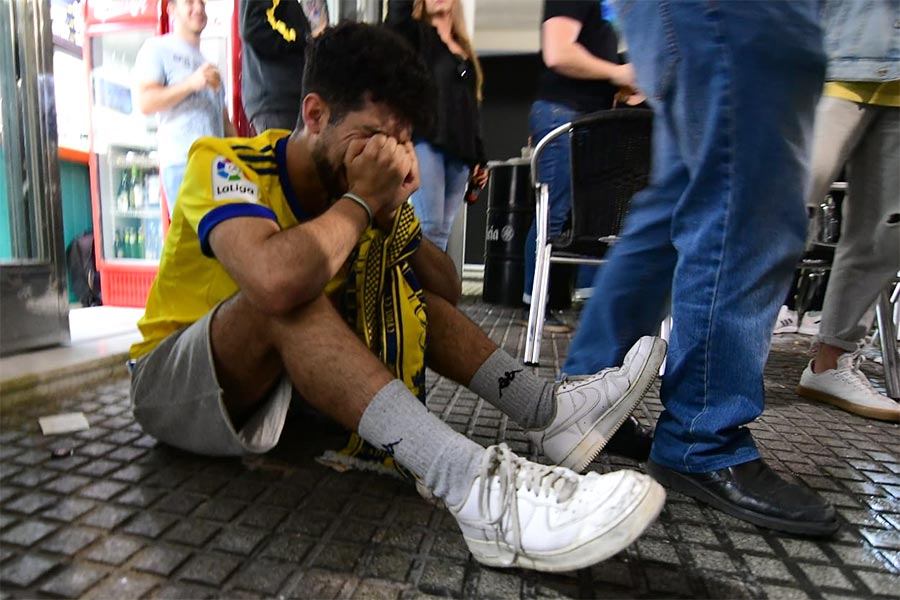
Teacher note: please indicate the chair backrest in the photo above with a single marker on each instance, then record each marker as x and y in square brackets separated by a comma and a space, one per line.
[610, 155]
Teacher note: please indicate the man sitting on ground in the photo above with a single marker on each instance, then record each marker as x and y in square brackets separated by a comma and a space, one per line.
[294, 261]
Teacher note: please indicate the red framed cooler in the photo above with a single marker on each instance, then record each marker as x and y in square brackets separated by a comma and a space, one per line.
[129, 214]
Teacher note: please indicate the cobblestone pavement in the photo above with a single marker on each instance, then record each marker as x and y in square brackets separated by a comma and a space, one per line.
[119, 516]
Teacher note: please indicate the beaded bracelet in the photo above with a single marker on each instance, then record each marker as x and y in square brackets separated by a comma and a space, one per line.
[361, 202]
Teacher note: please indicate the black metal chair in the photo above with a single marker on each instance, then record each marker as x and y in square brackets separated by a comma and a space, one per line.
[610, 161]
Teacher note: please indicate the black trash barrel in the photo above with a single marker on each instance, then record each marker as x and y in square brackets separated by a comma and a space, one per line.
[509, 216]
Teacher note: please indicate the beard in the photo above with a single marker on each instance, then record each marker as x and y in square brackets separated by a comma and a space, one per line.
[330, 175]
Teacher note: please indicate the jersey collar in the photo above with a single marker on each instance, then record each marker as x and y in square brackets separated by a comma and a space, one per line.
[281, 161]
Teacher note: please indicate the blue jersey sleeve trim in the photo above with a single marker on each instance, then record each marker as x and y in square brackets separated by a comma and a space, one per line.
[225, 212]
[285, 181]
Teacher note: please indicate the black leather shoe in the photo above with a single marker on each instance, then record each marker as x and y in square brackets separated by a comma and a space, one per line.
[753, 492]
[632, 440]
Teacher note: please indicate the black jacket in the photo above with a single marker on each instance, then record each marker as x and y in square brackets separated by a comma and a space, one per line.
[457, 129]
[274, 34]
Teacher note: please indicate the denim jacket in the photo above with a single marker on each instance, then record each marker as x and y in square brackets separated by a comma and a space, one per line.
[862, 39]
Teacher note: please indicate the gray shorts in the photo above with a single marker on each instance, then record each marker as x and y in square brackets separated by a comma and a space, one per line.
[177, 399]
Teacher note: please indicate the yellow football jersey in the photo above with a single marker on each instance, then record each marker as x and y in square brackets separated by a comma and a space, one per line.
[225, 178]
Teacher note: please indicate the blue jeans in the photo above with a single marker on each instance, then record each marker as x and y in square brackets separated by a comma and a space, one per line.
[734, 86]
[172, 176]
[440, 194]
[554, 170]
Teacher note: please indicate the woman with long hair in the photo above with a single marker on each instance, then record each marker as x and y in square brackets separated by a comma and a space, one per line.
[453, 153]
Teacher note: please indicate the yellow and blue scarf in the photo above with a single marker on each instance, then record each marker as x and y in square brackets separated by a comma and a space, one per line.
[384, 304]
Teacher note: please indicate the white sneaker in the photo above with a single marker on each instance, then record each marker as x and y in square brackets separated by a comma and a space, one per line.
[589, 409]
[809, 324]
[848, 388]
[522, 514]
[787, 321]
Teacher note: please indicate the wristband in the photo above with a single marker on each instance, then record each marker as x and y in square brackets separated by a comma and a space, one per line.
[361, 202]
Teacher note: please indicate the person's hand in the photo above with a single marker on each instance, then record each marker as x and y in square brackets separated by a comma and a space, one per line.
[205, 76]
[623, 76]
[377, 168]
[480, 176]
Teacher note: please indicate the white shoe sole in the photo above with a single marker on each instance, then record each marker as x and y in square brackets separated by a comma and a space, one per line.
[596, 438]
[871, 412]
[618, 537]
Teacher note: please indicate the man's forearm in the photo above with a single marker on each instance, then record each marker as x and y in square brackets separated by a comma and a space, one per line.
[573, 60]
[155, 98]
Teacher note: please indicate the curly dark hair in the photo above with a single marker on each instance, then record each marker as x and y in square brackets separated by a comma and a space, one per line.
[353, 62]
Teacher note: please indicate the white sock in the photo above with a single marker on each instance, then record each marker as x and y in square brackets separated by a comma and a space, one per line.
[446, 461]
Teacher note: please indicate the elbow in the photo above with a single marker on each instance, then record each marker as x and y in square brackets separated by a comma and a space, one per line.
[280, 298]
[143, 105]
[553, 59]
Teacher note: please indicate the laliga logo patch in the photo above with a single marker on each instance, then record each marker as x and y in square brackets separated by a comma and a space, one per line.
[229, 182]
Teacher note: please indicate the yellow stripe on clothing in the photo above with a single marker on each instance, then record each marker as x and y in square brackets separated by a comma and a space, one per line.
[288, 33]
[881, 93]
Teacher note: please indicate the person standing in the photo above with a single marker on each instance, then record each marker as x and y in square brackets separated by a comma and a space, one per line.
[453, 152]
[857, 124]
[174, 81]
[719, 230]
[274, 36]
[581, 74]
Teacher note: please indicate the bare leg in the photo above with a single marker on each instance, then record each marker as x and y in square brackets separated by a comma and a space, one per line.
[826, 357]
[456, 346]
[328, 365]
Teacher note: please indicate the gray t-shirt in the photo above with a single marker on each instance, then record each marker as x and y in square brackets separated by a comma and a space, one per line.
[168, 60]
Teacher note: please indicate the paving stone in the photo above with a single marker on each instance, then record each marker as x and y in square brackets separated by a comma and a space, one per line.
[290, 547]
[443, 578]
[339, 556]
[219, 509]
[67, 484]
[193, 532]
[26, 569]
[30, 478]
[767, 568]
[786, 593]
[114, 550]
[317, 583]
[389, 564]
[668, 581]
[74, 581]
[140, 496]
[880, 538]
[262, 516]
[150, 524]
[713, 560]
[161, 560]
[662, 551]
[102, 490]
[209, 569]
[27, 532]
[371, 589]
[107, 517]
[263, 576]
[179, 503]
[450, 545]
[68, 509]
[70, 540]
[826, 576]
[880, 583]
[30, 503]
[802, 549]
[124, 585]
[238, 540]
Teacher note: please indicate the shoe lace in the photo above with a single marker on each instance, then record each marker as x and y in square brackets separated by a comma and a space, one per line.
[513, 472]
[854, 376]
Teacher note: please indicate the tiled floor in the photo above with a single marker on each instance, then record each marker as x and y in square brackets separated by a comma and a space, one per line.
[109, 513]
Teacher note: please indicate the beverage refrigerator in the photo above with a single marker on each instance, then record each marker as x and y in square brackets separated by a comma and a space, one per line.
[129, 214]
